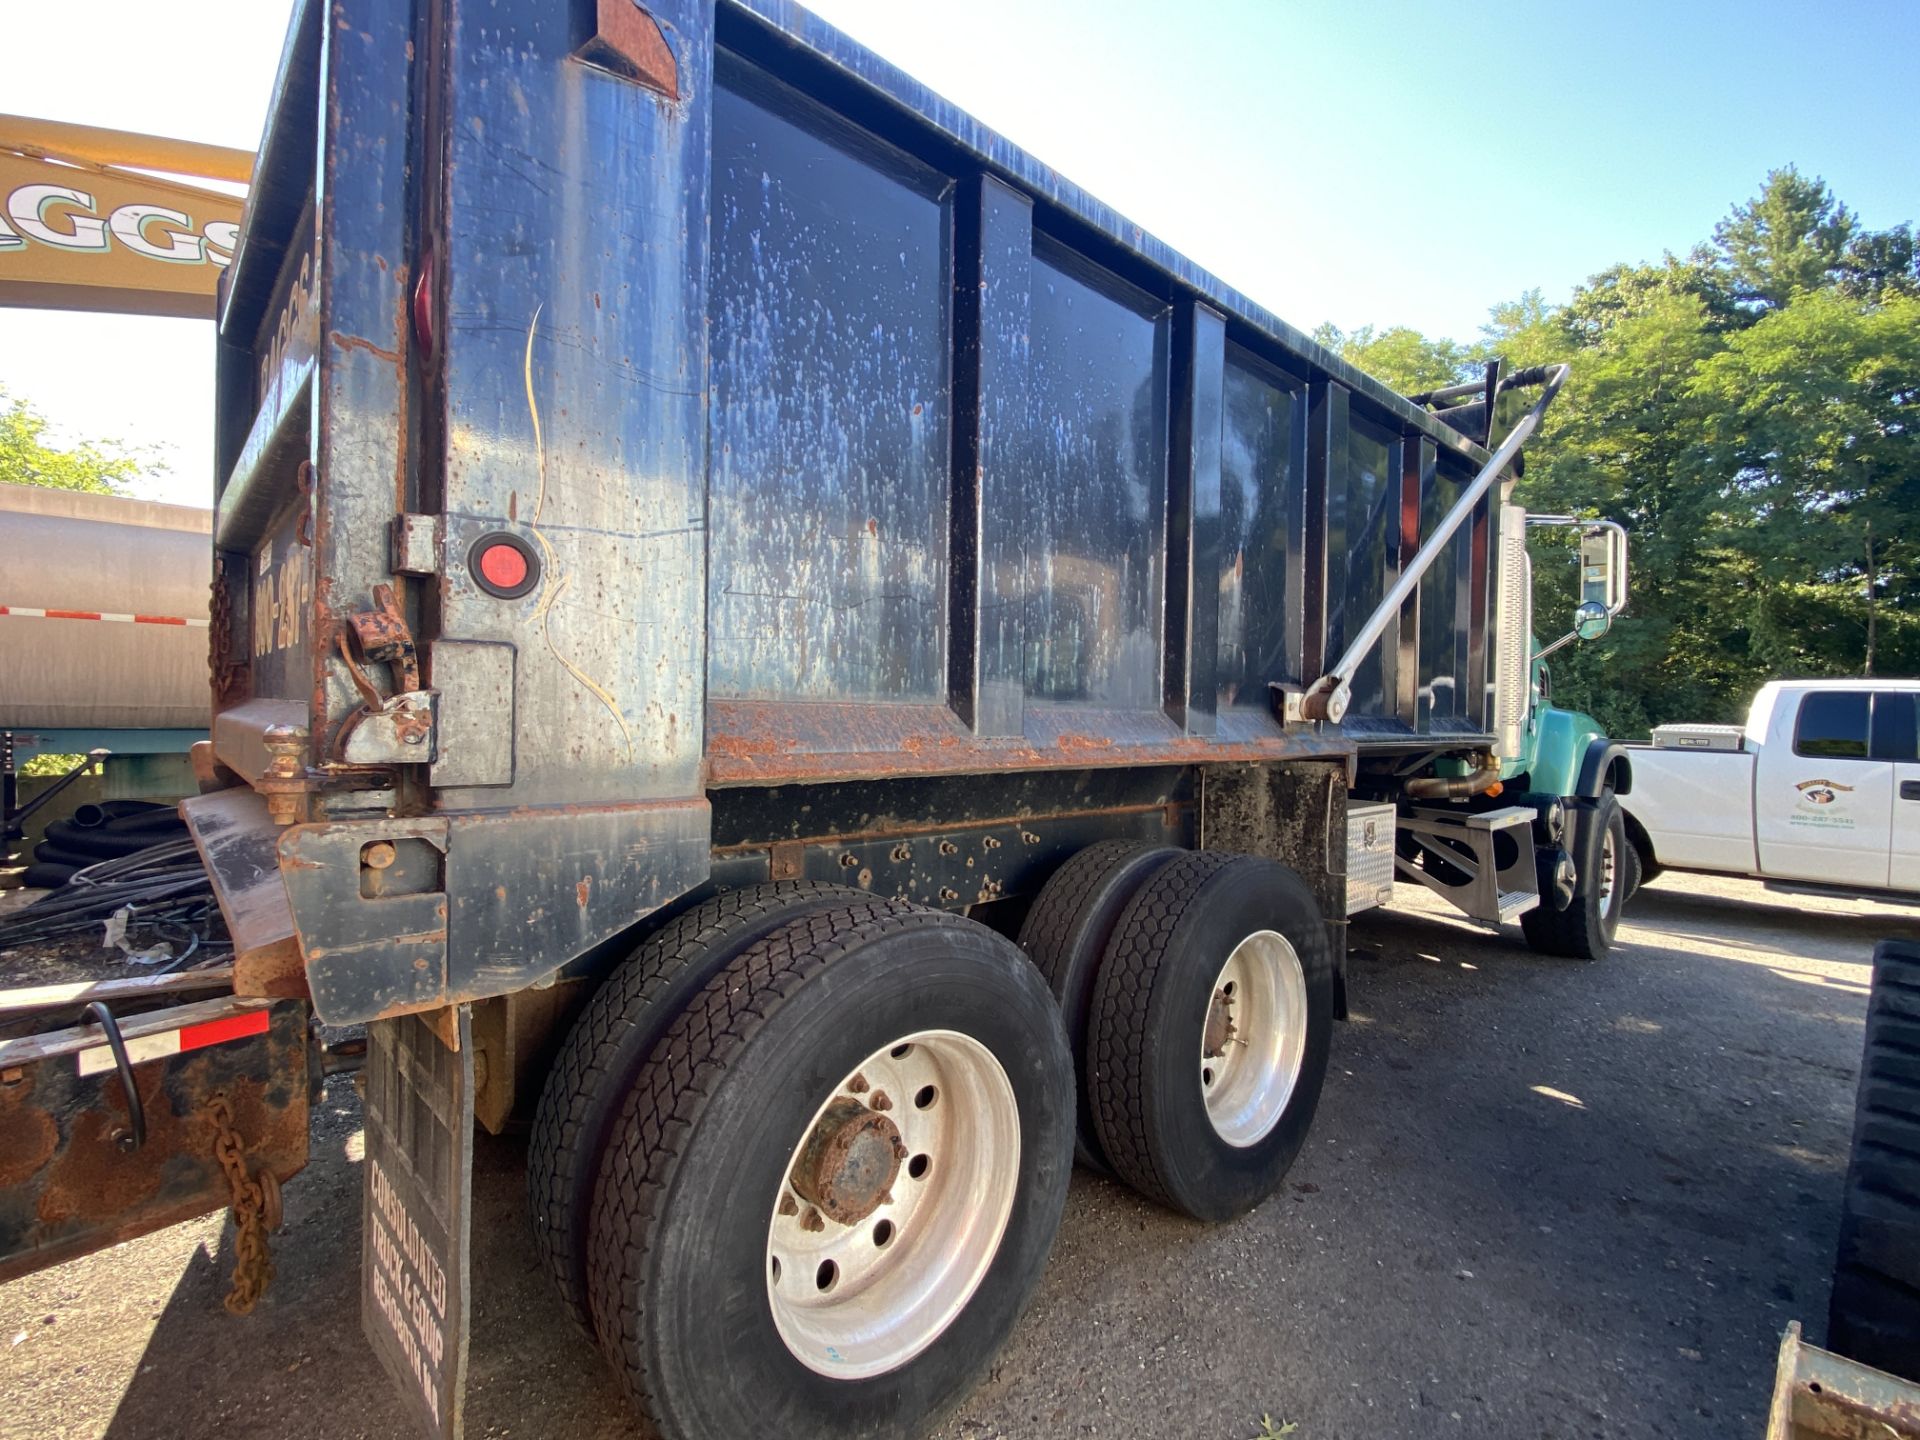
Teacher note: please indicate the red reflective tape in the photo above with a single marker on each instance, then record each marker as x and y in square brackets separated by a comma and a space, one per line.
[30, 612]
[214, 1032]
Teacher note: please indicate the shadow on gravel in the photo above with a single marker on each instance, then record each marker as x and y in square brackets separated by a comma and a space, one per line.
[1542, 1199]
[1641, 1158]
[296, 1365]
[1670, 910]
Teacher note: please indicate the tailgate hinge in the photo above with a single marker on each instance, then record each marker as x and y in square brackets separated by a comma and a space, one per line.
[387, 730]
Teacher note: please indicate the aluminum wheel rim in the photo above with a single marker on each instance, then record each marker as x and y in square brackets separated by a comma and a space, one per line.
[860, 1299]
[1609, 870]
[1247, 1076]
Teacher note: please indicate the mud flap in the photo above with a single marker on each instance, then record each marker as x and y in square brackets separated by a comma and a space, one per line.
[418, 1210]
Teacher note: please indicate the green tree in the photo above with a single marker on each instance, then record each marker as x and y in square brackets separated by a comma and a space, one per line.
[1810, 437]
[1400, 357]
[1788, 240]
[1763, 453]
[1623, 443]
[1747, 408]
[1880, 265]
[102, 467]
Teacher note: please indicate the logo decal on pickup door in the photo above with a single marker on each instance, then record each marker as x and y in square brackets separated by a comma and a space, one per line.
[1821, 805]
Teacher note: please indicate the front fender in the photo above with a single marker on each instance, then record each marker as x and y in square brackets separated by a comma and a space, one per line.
[1605, 758]
[1573, 756]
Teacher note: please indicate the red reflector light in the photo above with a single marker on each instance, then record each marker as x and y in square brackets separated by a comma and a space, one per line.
[503, 565]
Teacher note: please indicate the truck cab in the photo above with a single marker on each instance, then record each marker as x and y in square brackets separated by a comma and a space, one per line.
[1821, 787]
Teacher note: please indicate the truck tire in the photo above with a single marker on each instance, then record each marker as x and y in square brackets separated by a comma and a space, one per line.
[1585, 929]
[1874, 1312]
[611, 1040]
[833, 1186]
[1067, 932]
[1214, 952]
[1633, 870]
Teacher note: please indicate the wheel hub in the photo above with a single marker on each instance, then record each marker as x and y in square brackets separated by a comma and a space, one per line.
[1220, 1032]
[893, 1204]
[849, 1162]
[1253, 1041]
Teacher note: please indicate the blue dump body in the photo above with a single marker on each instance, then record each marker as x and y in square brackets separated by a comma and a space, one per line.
[830, 440]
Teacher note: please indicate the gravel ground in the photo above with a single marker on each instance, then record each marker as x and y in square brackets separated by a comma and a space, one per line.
[1542, 1199]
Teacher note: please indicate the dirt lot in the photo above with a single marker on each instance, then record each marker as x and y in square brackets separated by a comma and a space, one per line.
[1542, 1199]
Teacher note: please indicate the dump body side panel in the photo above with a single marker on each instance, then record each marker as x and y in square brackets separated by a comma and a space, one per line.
[1161, 499]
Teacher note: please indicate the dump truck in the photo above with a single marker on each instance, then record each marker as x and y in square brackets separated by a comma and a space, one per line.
[764, 636]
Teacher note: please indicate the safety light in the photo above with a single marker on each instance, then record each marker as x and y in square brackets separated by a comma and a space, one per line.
[504, 565]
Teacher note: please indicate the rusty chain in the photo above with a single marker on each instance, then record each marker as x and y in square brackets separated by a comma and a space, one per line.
[255, 1210]
[228, 671]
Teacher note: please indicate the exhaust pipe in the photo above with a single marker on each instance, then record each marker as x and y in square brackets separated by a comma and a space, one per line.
[1483, 778]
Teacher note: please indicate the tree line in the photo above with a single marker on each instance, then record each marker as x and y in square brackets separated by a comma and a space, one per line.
[1747, 412]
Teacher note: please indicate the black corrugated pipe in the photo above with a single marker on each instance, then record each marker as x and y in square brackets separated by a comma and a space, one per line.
[95, 814]
[109, 841]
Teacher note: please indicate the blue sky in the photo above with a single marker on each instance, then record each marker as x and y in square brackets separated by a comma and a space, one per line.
[1386, 162]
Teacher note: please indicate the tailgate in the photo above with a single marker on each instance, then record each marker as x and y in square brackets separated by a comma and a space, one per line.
[460, 584]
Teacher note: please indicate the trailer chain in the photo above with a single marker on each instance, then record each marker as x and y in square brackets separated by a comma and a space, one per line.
[255, 1210]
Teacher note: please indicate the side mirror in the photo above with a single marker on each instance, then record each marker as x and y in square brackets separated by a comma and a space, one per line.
[1603, 572]
[1591, 620]
[1603, 576]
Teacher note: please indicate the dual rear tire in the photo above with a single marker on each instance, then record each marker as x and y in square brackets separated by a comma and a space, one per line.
[1197, 989]
[835, 1181]
[820, 1143]
[1208, 1043]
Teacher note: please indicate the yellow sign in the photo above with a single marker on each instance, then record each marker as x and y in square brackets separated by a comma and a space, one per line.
[77, 234]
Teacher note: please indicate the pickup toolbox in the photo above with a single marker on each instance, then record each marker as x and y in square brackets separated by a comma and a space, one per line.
[1820, 787]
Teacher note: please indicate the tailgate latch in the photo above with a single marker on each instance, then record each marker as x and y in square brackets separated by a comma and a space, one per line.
[387, 730]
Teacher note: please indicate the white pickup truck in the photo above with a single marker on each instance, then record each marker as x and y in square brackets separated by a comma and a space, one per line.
[1821, 788]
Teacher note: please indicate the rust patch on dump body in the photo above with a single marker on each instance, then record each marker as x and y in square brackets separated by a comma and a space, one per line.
[583, 892]
[355, 342]
[732, 764]
[628, 42]
[756, 743]
[273, 971]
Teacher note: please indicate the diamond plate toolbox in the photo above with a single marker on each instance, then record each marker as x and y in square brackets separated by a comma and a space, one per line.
[1369, 856]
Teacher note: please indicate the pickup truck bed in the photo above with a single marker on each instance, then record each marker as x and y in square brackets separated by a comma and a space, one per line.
[1700, 806]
